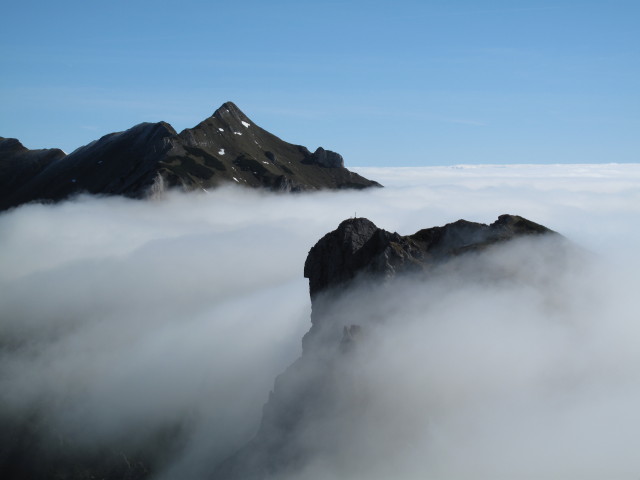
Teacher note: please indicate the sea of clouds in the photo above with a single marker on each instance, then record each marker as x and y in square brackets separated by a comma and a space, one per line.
[121, 319]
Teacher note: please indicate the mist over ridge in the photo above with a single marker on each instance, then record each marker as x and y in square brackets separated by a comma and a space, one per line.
[122, 319]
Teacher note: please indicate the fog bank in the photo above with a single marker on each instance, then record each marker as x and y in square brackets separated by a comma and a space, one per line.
[122, 319]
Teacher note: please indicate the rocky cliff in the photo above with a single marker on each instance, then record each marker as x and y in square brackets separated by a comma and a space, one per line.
[351, 271]
[149, 158]
[358, 246]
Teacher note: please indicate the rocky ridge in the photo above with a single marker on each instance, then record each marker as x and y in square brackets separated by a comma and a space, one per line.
[152, 157]
[358, 246]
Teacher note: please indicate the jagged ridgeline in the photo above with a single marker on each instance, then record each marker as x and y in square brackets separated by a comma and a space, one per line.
[151, 157]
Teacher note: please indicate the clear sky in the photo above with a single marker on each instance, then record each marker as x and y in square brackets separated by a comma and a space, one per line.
[389, 83]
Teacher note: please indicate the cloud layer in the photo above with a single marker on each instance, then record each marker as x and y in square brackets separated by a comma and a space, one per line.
[121, 319]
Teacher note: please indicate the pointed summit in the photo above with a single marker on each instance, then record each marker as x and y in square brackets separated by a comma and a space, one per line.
[230, 116]
[251, 156]
[230, 108]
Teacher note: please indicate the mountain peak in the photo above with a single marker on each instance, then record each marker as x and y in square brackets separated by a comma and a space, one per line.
[230, 110]
[150, 157]
[229, 105]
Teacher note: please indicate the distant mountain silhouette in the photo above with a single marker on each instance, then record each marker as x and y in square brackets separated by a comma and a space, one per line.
[151, 157]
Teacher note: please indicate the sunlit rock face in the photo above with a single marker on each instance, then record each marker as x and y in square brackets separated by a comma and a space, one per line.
[148, 158]
[322, 408]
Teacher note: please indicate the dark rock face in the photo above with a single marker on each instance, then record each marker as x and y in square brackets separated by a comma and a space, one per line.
[308, 394]
[151, 157]
[122, 163]
[326, 158]
[358, 246]
[19, 164]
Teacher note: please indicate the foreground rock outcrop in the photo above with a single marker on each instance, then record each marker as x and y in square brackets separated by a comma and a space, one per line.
[358, 246]
[151, 157]
[351, 271]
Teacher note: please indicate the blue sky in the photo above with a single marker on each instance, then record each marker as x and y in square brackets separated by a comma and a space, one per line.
[385, 83]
